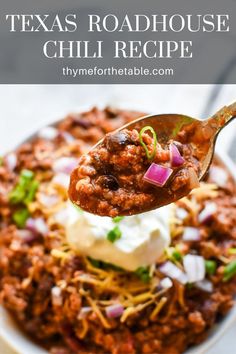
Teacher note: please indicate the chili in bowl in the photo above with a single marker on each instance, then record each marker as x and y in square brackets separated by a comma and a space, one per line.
[71, 299]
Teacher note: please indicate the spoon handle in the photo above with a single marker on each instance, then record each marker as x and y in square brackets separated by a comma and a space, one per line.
[221, 118]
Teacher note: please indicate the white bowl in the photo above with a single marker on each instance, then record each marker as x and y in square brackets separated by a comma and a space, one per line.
[11, 334]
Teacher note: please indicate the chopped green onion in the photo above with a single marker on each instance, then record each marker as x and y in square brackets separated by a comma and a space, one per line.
[189, 286]
[114, 234]
[117, 219]
[25, 190]
[20, 216]
[144, 129]
[173, 254]
[232, 250]
[22, 194]
[32, 191]
[96, 263]
[176, 255]
[229, 271]
[210, 267]
[26, 175]
[144, 274]
[184, 120]
[104, 265]
[17, 195]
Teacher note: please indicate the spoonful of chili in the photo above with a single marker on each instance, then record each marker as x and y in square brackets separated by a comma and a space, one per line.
[148, 163]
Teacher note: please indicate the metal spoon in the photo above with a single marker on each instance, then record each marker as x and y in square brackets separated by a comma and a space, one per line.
[168, 126]
[200, 134]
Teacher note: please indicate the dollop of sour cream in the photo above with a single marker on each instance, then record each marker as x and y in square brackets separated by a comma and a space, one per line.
[143, 237]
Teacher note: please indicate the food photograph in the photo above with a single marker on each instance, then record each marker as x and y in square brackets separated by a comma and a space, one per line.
[117, 219]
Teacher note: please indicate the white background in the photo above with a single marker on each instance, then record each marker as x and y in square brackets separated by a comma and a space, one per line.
[24, 109]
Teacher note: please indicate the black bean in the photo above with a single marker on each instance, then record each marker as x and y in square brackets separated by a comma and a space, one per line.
[108, 181]
[117, 141]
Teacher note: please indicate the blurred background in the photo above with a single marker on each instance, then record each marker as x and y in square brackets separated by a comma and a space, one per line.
[25, 108]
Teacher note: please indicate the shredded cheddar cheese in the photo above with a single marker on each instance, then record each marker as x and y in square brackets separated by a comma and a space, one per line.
[132, 293]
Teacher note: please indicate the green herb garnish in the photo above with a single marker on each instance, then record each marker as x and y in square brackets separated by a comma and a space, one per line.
[151, 155]
[1, 160]
[210, 267]
[183, 120]
[31, 192]
[21, 195]
[143, 273]
[229, 271]
[104, 265]
[25, 190]
[114, 234]
[27, 175]
[95, 262]
[20, 216]
[189, 286]
[173, 254]
[17, 195]
[117, 219]
[176, 255]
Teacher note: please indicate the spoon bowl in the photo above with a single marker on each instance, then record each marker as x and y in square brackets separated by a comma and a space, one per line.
[170, 126]
[121, 180]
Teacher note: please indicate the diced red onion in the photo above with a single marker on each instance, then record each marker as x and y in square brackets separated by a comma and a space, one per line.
[11, 161]
[61, 179]
[67, 137]
[205, 285]
[56, 296]
[194, 266]
[48, 200]
[27, 235]
[191, 234]
[48, 133]
[207, 213]
[37, 225]
[166, 283]
[175, 157]
[172, 271]
[41, 226]
[181, 213]
[157, 174]
[218, 176]
[64, 165]
[84, 311]
[30, 224]
[193, 179]
[114, 311]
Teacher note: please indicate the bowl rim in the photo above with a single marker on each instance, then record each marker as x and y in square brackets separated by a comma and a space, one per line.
[20, 343]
